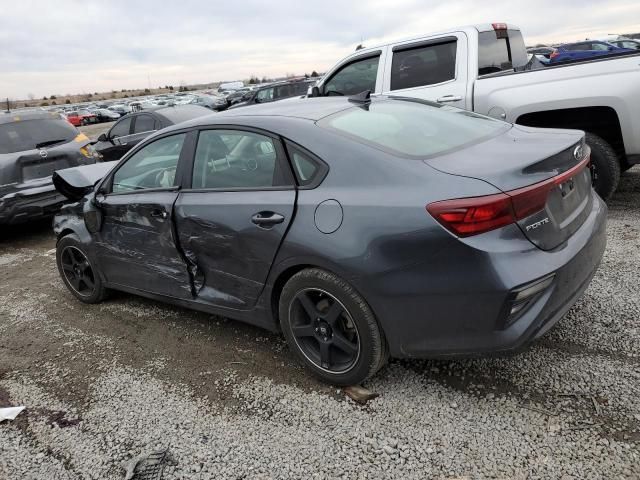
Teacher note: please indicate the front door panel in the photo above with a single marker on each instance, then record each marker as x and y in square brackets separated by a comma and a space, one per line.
[136, 244]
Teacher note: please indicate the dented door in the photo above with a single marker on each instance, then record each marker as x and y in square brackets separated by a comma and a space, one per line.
[137, 247]
[230, 252]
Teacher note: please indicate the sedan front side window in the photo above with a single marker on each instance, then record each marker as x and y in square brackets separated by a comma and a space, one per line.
[153, 166]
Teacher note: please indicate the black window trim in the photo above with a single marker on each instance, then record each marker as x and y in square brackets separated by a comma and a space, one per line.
[351, 61]
[281, 157]
[424, 43]
[187, 149]
[323, 167]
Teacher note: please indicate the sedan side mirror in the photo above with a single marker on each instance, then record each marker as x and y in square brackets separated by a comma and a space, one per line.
[315, 92]
[103, 137]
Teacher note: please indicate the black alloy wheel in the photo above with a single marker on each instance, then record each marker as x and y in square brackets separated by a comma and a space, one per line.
[77, 271]
[324, 330]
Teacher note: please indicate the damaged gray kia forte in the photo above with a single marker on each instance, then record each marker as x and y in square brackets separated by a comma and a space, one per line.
[361, 228]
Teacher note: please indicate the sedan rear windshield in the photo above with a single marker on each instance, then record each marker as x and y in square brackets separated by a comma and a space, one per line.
[412, 128]
[31, 134]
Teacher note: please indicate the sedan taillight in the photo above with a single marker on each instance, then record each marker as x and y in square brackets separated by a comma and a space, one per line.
[474, 215]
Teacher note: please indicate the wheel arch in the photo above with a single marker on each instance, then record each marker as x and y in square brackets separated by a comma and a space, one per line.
[602, 121]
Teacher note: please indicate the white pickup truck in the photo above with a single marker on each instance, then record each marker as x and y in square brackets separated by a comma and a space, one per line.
[485, 68]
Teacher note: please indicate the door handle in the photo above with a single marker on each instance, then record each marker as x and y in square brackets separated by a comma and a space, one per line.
[267, 219]
[159, 213]
[449, 98]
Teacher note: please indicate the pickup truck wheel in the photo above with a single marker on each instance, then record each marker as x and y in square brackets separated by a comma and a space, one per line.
[605, 166]
[330, 328]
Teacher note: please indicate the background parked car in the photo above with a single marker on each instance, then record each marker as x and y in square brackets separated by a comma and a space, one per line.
[131, 129]
[276, 91]
[541, 51]
[211, 102]
[32, 146]
[105, 115]
[584, 51]
[81, 117]
[626, 43]
[120, 109]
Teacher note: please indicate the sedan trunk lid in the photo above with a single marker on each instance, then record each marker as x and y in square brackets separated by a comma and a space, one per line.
[544, 171]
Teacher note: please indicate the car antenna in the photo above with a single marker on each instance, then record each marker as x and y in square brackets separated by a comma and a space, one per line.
[362, 97]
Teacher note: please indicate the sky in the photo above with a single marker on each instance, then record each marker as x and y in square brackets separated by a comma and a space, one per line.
[85, 46]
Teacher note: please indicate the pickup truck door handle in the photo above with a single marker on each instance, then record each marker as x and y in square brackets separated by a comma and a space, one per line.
[449, 98]
[267, 219]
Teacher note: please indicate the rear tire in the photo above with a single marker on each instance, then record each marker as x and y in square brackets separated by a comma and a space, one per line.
[77, 272]
[330, 328]
[605, 166]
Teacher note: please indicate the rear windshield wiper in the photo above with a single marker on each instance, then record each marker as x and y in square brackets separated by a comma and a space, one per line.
[50, 142]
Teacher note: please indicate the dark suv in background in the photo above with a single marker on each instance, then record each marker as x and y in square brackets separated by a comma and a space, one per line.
[32, 146]
[276, 91]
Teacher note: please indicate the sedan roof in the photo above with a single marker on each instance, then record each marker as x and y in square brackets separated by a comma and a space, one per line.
[180, 113]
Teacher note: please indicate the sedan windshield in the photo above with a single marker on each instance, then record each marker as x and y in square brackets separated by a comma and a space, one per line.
[28, 134]
[410, 128]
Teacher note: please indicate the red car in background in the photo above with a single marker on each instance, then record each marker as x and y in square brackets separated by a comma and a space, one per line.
[81, 117]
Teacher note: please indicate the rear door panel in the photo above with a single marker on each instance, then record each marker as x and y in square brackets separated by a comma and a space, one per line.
[230, 256]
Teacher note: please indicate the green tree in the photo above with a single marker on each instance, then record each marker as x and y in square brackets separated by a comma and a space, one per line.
[53, 97]
[44, 104]
[67, 101]
[44, 98]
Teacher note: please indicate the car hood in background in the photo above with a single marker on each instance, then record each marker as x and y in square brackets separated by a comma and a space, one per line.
[74, 183]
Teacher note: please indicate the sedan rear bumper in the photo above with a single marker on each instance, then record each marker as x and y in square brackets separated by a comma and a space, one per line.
[30, 202]
[465, 317]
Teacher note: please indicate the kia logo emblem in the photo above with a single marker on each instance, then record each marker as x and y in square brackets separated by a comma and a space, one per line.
[43, 153]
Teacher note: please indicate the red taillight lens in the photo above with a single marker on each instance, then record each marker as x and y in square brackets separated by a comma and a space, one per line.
[471, 216]
[474, 215]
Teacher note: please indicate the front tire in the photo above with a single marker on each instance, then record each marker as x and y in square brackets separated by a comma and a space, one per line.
[330, 328]
[605, 166]
[77, 272]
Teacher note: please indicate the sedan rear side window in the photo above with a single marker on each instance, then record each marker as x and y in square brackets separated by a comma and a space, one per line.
[354, 78]
[144, 123]
[25, 135]
[424, 65]
[413, 129]
[227, 159]
[153, 166]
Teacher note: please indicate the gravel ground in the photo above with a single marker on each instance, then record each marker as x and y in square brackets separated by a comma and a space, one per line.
[104, 383]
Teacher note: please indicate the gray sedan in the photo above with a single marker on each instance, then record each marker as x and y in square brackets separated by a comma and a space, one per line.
[361, 228]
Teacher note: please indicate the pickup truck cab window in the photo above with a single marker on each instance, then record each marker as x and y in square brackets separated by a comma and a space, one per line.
[422, 65]
[153, 166]
[353, 78]
[498, 52]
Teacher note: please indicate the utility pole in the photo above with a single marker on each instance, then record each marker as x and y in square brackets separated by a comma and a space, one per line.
[8, 106]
